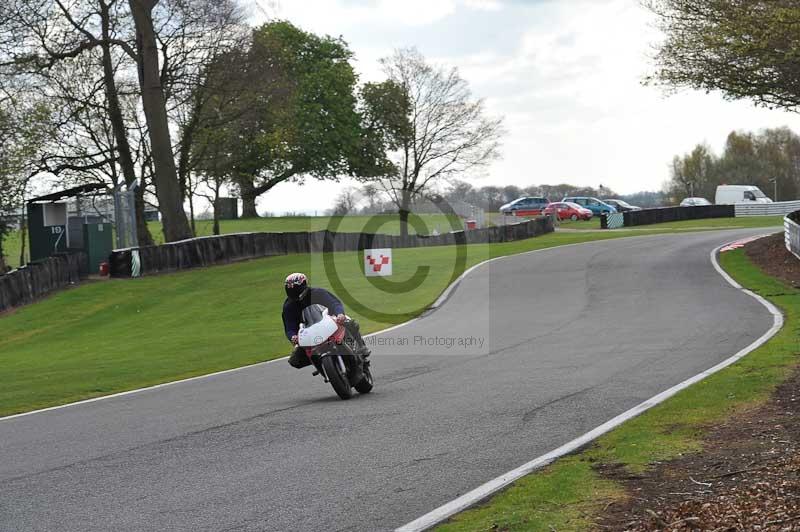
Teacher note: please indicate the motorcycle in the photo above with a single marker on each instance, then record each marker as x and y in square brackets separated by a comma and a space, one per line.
[324, 341]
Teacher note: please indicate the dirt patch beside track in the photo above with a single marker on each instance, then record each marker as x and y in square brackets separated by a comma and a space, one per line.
[771, 255]
[747, 478]
[748, 475]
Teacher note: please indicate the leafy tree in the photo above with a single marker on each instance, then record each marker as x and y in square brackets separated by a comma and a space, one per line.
[747, 49]
[694, 174]
[769, 159]
[779, 149]
[21, 130]
[511, 192]
[385, 111]
[297, 116]
[445, 133]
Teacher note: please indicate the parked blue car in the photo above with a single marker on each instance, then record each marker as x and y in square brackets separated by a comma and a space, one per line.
[593, 204]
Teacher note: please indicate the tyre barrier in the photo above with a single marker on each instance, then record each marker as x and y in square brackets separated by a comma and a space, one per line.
[224, 249]
[791, 226]
[29, 283]
[612, 220]
[677, 214]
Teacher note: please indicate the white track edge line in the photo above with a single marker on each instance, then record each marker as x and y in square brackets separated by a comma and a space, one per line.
[435, 305]
[480, 493]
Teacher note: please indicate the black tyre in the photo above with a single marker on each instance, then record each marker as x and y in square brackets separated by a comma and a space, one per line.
[339, 381]
[365, 384]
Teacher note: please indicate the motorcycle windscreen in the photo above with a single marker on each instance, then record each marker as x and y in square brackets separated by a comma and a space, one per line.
[313, 314]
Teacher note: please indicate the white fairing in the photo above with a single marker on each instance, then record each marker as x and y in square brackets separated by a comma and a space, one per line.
[316, 334]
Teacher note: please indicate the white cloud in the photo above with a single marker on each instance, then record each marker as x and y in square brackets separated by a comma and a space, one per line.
[415, 12]
[484, 5]
[566, 75]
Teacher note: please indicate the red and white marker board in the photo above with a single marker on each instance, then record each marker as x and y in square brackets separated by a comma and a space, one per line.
[378, 262]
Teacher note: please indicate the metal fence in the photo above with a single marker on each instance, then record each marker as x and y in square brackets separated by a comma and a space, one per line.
[125, 217]
[767, 209]
[791, 226]
[470, 212]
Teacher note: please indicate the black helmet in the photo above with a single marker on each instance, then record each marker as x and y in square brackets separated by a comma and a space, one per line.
[296, 286]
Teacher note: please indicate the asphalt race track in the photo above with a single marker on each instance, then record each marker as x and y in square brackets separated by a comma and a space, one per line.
[571, 337]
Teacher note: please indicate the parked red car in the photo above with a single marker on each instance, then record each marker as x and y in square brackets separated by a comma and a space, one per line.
[568, 211]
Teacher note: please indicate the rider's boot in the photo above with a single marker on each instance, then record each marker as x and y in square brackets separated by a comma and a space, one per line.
[355, 332]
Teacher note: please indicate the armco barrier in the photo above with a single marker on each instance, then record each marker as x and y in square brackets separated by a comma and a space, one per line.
[29, 283]
[777, 208]
[791, 226]
[676, 214]
[209, 251]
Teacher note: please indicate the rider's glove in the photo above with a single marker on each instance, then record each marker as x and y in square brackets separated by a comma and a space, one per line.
[294, 340]
[341, 318]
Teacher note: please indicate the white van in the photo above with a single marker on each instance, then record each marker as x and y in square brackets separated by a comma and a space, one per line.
[730, 194]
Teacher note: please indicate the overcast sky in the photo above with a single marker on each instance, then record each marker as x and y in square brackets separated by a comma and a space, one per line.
[565, 74]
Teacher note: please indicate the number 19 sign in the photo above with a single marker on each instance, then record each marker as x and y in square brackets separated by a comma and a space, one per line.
[378, 262]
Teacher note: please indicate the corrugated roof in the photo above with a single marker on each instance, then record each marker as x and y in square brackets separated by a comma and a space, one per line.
[71, 193]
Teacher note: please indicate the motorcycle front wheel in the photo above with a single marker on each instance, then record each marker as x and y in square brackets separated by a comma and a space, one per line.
[365, 384]
[338, 380]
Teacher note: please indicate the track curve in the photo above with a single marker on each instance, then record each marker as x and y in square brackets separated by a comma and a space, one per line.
[570, 336]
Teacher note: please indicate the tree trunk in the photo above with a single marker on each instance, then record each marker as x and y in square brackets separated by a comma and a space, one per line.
[249, 195]
[217, 186]
[142, 230]
[405, 210]
[216, 218]
[168, 189]
[23, 235]
[123, 147]
[3, 233]
[190, 197]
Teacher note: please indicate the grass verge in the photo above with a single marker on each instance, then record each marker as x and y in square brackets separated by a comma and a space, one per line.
[110, 336]
[12, 246]
[567, 494]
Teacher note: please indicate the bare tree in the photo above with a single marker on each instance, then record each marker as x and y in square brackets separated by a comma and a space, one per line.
[346, 202]
[70, 56]
[447, 133]
[96, 58]
[371, 192]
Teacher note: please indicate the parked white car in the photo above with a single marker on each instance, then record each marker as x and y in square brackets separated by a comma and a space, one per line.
[694, 202]
[732, 194]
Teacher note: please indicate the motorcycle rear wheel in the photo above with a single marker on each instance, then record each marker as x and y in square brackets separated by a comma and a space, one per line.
[339, 381]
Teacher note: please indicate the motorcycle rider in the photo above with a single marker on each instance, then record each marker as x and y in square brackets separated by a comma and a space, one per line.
[299, 296]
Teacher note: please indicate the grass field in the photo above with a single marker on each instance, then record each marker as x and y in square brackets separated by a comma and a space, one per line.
[115, 335]
[12, 245]
[389, 224]
[567, 494]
